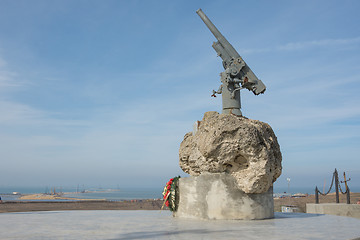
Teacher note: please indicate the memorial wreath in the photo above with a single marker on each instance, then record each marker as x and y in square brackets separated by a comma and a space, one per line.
[169, 194]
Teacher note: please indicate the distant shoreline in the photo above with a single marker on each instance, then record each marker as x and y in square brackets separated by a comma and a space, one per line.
[85, 195]
[43, 196]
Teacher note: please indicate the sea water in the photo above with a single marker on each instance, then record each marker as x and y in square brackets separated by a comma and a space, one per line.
[118, 194]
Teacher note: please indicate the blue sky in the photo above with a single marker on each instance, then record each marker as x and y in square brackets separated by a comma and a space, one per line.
[102, 92]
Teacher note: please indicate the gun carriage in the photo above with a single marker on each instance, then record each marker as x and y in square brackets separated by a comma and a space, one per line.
[237, 74]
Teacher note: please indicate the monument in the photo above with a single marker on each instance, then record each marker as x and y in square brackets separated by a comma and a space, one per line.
[233, 161]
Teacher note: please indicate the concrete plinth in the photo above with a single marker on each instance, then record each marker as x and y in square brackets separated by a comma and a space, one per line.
[216, 196]
[339, 209]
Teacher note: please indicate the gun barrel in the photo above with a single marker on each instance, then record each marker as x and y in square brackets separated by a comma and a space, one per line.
[222, 40]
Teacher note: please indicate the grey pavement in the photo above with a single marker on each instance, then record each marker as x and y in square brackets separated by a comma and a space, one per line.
[138, 224]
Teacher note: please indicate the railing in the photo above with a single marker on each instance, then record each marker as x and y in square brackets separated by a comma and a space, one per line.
[337, 187]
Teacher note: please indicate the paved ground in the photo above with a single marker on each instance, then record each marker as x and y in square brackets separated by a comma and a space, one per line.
[141, 224]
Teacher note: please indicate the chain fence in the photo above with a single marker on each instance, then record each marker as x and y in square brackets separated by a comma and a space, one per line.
[335, 179]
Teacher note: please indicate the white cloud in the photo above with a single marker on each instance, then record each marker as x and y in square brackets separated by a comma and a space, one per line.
[15, 113]
[2, 62]
[18, 114]
[7, 80]
[318, 43]
[295, 46]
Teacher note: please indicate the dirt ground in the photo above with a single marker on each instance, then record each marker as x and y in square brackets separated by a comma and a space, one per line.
[28, 206]
[301, 201]
[24, 206]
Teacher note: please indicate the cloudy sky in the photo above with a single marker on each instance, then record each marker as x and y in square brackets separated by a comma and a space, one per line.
[102, 92]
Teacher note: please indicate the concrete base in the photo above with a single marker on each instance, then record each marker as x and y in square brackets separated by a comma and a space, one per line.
[216, 196]
[339, 209]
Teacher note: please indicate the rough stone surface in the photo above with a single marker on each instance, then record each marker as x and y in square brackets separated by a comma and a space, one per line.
[216, 196]
[246, 149]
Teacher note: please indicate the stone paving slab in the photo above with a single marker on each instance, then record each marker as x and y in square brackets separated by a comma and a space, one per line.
[138, 224]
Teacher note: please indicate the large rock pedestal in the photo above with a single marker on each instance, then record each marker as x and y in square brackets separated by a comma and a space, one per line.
[233, 162]
[244, 148]
[216, 196]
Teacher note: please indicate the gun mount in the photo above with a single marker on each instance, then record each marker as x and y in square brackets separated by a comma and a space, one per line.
[237, 74]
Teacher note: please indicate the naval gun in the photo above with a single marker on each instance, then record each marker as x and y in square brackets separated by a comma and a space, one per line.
[237, 74]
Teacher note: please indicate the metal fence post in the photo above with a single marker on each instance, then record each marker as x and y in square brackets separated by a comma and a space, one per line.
[316, 195]
[337, 186]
